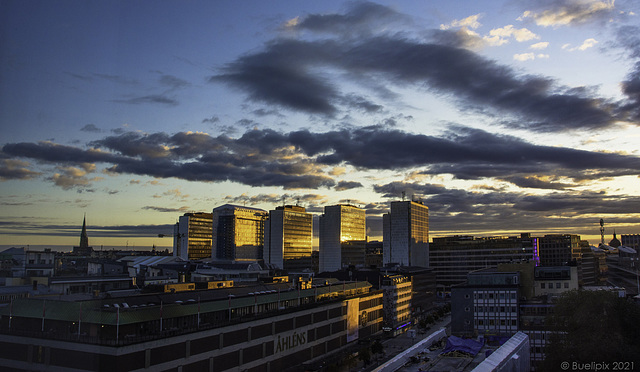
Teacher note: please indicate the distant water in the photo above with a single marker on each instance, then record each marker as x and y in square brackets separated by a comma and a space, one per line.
[67, 248]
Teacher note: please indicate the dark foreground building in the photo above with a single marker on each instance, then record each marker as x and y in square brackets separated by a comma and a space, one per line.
[268, 327]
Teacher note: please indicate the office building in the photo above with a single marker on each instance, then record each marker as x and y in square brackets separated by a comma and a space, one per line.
[373, 254]
[559, 249]
[339, 224]
[288, 238]
[452, 258]
[630, 240]
[552, 281]
[487, 304]
[406, 234]
[237, 232]
[397, 302]
[192, 240]
[267, 327]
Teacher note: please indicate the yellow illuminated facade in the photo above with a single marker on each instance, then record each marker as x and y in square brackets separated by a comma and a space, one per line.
[238, 232]
[339, 224]
[289, 238]
[192, 240]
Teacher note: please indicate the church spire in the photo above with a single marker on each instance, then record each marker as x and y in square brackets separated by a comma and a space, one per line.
[84, 239]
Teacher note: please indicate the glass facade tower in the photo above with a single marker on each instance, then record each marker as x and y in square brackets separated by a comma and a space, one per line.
[192, 240]
[288, 238]
[238, 232]
[406, 234]
[338, 225]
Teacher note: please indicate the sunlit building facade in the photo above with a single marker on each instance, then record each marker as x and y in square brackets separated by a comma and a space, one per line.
[339, 224]
[237, 232]
[406, 234]
[192, 238]
[397, 302]
[288, 238]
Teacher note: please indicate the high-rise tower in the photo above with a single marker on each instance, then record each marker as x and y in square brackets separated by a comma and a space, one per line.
[288, 238]
[237, 232]
[192, 240]
[340, 227]
[406, 234]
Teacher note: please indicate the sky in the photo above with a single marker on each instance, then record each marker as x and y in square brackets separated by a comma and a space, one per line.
[503, 117]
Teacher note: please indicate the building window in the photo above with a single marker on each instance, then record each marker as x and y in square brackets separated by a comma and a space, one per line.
[566, 284]
[558, 285]
[542, 286]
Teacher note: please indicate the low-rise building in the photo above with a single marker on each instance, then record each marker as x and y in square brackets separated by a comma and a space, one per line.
[266, 327]
[552, 281]
[397, 291]
[487, 304]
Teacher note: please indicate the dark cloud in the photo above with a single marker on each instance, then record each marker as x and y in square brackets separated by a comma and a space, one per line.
[165, 209]
[295, 159]
[455, 211]
[264, 112]
[536, 183]
[360, 19]
[466, 153]
[362, 104]
[347, 185]
[292, 74]
[200, 157]
[173, 82]
[52, 152]
[214, 119]
[152, 98]
[310, 201]
[629, 38]
[91, 128]
[279, 76]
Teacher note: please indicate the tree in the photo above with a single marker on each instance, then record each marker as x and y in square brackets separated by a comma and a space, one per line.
[592, 326]
[377, 347]
[364, 355]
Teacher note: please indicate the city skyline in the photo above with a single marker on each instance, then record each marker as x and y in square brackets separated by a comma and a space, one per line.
[502, 117]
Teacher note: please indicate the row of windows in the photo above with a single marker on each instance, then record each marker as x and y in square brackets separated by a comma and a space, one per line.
[543, 285]
[492, 295]
[493, 322]
[491, 309]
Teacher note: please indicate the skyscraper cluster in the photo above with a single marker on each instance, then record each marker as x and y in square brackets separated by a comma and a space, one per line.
[284, 237]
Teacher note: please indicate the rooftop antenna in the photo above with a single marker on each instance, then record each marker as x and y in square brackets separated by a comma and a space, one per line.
[403, 195]
[283, 200]
[602, 231]
[298, 201]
